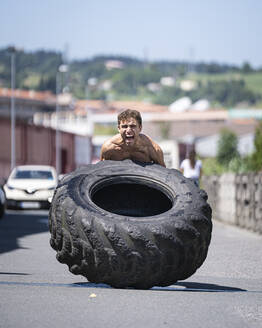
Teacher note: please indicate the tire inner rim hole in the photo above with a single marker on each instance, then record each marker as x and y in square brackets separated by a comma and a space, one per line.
[131, 199]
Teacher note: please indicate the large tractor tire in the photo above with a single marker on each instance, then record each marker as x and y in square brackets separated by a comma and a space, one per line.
[130, 224]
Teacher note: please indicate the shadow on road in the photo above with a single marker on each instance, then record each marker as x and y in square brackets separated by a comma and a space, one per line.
[179, 286]
[17, 224]
[205, 287]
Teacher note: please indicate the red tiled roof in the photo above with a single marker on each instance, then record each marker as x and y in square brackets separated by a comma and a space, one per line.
[29, 94]
[100, 106]
[97, 106]
[137, 105]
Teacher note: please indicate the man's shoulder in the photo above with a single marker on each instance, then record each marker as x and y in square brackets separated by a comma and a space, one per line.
[145, 139]
[111, 148]
[111, 144]
[113, 141]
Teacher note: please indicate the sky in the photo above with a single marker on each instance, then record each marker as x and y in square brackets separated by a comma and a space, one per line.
[222, 31]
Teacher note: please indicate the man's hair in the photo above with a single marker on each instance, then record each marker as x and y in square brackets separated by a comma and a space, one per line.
[128, 113]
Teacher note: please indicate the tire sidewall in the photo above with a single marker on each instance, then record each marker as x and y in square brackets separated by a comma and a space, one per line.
[183, 192]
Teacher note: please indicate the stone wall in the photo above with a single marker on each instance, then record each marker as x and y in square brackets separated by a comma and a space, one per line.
[236, 199]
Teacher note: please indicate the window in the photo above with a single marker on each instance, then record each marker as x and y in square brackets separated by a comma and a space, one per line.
[33, 174]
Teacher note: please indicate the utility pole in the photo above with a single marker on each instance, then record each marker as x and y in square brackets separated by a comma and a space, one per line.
[57, 135]
[12, 51]
[62, 69]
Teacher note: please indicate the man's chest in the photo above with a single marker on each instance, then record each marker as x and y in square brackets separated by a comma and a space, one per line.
[135, 154]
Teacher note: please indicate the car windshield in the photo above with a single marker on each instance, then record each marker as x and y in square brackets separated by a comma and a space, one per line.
[33, 174]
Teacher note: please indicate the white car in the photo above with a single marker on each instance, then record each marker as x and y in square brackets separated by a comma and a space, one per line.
[30, 186]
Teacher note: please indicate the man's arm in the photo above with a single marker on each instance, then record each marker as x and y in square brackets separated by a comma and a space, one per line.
[105, 151]
[156, 153]
[159, 156]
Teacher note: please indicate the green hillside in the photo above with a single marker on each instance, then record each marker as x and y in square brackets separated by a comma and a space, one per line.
[222, 85]
[253, 81]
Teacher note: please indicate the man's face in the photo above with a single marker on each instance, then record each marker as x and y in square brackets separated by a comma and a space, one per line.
[129, 130]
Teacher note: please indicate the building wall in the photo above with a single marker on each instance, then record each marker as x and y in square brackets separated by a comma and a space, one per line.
[197, 129]
[37, 145]
[83, 150]
[34, 145]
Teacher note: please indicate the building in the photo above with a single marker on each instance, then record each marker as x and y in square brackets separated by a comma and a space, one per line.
[36, 144]
[87, 120]
[27, 103]
[184, 127]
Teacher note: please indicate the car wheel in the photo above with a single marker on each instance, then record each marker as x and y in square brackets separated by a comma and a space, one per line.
[2, 211]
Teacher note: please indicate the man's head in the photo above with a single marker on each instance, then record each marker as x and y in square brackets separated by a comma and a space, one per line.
[129, 126]
[130, 113]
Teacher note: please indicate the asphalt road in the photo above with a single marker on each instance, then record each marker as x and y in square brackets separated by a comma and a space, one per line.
[37, 291]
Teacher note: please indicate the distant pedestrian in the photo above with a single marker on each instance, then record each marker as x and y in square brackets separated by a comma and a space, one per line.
[192, 167]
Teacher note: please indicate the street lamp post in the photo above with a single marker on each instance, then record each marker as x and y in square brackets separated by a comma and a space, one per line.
[57, 135]
[12, 51]
[59, 86]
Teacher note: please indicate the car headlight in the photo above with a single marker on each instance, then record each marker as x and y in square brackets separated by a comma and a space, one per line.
[10, 187]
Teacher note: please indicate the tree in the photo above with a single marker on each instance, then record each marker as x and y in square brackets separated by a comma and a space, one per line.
[168, 95]
[47, 82]
[256, 158]
[227, 147]
[246, 68]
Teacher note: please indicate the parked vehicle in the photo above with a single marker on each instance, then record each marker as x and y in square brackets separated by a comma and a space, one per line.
[30, 186]
[2, 202]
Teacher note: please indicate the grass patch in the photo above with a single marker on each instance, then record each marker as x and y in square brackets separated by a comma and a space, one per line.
[32, 81]
[253, 81]
[105, 129]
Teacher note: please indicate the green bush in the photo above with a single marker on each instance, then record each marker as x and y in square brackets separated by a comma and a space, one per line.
[256, 158]
[240, 165]
[228, 158]
[227, 147]
[210, 166]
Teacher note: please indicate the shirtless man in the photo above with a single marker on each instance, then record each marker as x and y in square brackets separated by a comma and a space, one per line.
[130, 143]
